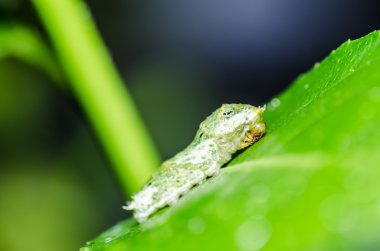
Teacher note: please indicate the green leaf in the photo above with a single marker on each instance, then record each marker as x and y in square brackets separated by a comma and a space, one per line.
[312, 183]
[23, 43]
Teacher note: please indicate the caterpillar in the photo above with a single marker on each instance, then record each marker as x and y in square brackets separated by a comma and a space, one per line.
[227, 130]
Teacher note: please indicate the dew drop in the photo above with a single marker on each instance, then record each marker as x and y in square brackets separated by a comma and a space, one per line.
[336, 215]
[369, 110]
[196, 225]
[107, 240]
[274, 103]
[374, 94]
[260, 192]
[252, 235]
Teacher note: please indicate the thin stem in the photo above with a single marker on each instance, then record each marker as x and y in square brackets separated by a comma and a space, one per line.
[100, 90]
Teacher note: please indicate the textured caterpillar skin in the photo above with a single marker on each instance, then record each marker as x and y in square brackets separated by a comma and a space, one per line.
[230, 128]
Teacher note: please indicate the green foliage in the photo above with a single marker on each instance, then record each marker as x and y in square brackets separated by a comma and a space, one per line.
[23, 43]
[24, 91]
[41, 174]
[310, 184]
[100, 90]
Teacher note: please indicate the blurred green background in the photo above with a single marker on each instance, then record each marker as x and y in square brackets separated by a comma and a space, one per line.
[180, 59]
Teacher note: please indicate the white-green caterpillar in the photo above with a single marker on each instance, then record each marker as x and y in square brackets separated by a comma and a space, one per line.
[230, 128]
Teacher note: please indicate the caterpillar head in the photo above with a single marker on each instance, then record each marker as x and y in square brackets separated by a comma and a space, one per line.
[235, 126]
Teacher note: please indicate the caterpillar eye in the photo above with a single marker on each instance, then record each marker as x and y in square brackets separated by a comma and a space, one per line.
[228, 113]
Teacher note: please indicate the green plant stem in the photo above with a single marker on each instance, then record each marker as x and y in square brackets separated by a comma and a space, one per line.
[100, 90]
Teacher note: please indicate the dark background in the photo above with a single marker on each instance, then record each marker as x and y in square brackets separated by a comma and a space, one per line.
[180, 60]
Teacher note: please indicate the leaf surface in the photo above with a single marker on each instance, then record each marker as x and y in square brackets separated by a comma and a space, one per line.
[312, 183]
